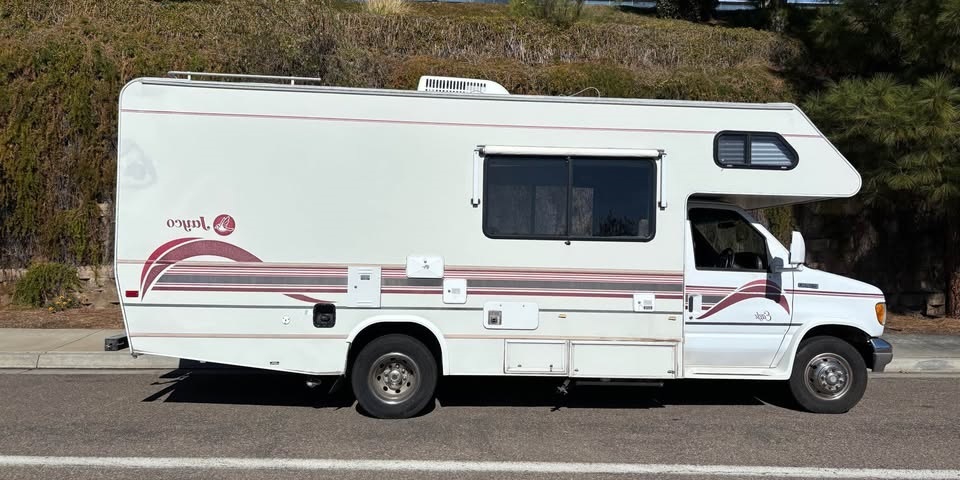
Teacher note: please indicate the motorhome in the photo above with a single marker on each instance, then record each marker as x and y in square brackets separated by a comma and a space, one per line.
[393, 237]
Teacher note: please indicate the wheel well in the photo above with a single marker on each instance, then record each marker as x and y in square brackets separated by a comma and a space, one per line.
[852, 335]
[414, 330]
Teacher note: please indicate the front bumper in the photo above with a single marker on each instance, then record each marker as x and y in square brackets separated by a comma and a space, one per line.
[882, 353]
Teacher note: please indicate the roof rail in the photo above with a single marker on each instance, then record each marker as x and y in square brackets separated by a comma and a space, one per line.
[241, 76]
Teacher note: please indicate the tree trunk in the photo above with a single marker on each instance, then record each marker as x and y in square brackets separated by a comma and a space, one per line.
[778, 16]
[951, 262]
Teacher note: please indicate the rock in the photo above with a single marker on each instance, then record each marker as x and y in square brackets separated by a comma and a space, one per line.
[85, 274]
[10, 275]
[104, 297]
[936, 305]
[912, 301]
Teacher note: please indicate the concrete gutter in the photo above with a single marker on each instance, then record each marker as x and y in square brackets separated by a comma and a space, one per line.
[916, 353]
[104, 360]
[80, 360]
[923, 365]
[26, 348]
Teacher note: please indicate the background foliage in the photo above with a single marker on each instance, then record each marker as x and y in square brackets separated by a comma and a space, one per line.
[878, 77]
[63, 63]
[893, 107]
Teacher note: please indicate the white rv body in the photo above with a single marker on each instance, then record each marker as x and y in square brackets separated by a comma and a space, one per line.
[240, 206]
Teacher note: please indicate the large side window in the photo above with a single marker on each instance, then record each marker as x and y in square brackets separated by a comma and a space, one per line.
[526, 197]
[582, 198]
[722, 239]
[761, 150]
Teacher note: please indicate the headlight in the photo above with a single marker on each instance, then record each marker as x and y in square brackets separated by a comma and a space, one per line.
[881, 309]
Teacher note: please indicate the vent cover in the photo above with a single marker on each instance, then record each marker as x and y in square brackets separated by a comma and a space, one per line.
[460, 85]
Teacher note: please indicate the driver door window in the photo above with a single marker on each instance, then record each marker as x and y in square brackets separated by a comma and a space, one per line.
[724, 240]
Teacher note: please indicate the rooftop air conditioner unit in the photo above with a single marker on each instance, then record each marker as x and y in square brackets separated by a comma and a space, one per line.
[460, 85]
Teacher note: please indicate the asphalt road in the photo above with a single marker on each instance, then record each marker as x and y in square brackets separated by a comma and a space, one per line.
[902, 423]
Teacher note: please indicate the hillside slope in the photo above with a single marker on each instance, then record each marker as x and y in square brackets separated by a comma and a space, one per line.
[62, 64]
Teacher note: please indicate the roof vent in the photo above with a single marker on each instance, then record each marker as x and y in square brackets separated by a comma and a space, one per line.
[460, 85]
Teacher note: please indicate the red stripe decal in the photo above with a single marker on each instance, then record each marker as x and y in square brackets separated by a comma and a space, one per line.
[185, 248]
[434, 123]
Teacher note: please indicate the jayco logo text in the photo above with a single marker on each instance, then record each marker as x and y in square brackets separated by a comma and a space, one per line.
[223, 224]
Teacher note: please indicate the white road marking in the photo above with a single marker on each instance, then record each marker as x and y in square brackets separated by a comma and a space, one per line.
[470, 466]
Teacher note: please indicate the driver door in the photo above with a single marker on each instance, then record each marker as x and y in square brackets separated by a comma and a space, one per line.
[737, 312]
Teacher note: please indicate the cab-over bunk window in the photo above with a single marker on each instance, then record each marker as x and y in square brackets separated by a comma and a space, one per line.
[569, 198]
[759, 150]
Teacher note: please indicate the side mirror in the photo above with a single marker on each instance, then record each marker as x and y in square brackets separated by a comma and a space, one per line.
[798, 249]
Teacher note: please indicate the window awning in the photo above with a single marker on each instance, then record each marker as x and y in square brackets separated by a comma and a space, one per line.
[570, 152]
[484, 150]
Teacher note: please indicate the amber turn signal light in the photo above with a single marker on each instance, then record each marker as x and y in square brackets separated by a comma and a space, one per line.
[881, 309]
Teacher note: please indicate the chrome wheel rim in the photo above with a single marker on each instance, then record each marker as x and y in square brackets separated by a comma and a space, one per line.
[828, 376]
[393, 377]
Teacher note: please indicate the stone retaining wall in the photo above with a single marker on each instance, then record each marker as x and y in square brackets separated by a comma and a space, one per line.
[98, 287]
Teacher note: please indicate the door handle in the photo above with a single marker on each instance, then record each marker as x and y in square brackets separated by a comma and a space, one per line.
[694, 303]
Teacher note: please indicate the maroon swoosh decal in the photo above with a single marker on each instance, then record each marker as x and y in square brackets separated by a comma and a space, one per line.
[754, 289]
[156, 253]
[185, 248]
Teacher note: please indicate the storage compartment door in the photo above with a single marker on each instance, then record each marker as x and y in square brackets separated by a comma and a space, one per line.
[623, 360]
[511, 316]
[540, 357]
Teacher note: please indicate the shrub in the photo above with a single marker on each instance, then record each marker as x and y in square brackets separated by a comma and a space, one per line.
[739, 84]
[559, 12]
[388, 7]
[47, 284]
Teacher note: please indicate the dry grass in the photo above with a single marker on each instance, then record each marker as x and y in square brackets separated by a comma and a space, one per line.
[63, 62]
[919, 324]
[388, 7]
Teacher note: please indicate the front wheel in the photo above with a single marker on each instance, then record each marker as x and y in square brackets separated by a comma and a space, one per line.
[829, 375]
[394, 376]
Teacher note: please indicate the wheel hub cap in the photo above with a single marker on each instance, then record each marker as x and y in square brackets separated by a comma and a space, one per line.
[393, 377]
[828, 376]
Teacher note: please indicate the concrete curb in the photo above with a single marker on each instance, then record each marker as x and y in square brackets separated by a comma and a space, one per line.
[122, 360]
[104, 360]
[923, 365]
[19, 359]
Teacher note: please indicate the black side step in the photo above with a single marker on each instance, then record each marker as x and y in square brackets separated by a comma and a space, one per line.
[115, 342]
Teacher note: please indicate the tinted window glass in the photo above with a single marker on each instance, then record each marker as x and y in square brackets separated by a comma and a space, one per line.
[731, 149]
[611, 198]
[722, 239]
[559, 197]
[526, 197]
[769, 150]
[754, 150]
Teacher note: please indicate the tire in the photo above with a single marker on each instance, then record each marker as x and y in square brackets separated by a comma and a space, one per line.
[394, 376]
[829, 375]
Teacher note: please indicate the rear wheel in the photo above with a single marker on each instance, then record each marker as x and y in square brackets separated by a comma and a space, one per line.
[394, 376]
[829, 375]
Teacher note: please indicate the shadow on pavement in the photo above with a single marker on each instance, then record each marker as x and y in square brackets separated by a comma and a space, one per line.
[253, 387]
[493, 391]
